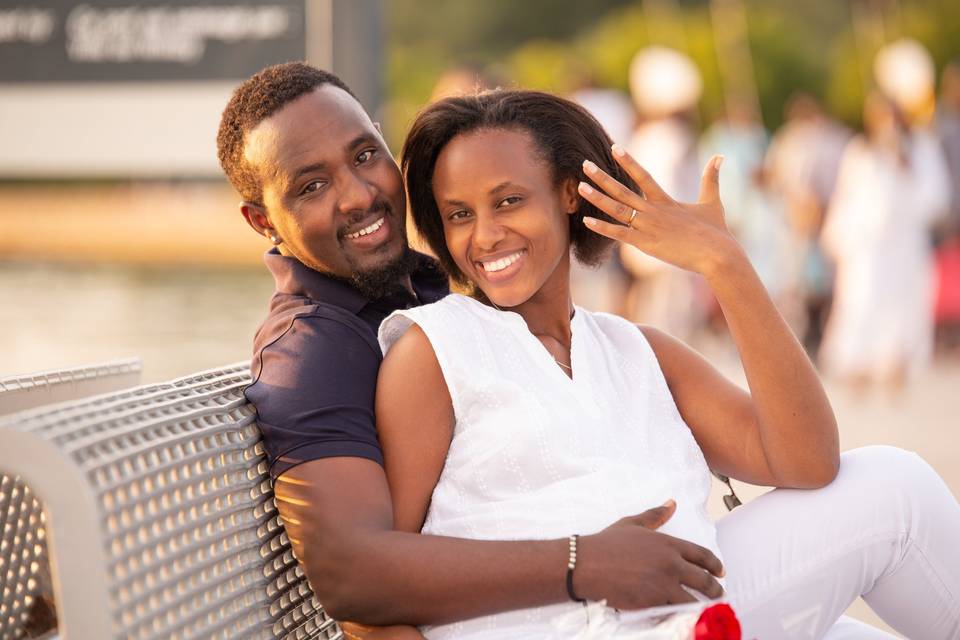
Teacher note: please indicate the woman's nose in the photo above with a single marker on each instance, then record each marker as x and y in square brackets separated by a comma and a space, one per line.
[487, 232]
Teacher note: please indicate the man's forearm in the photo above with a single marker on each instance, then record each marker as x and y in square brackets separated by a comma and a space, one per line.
[389, 577]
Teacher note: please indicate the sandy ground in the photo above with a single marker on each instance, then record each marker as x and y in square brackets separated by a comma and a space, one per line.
[924, 418]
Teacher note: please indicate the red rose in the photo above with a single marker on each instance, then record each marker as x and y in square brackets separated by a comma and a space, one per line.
[718, 622]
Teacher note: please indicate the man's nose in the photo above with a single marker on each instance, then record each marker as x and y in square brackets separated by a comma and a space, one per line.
[356, 193]
[487, 231]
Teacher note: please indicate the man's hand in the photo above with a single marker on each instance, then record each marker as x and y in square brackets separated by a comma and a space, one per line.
[633, 566]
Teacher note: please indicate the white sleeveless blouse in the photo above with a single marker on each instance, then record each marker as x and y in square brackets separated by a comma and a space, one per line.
[538, 455]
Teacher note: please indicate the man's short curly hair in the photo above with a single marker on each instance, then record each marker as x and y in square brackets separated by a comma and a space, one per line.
[255, 100]
[565, 135]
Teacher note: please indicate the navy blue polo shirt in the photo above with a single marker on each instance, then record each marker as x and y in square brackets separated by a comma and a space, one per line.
[315, 362]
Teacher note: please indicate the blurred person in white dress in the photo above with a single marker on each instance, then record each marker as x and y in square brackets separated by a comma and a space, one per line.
[892, 189]
[802, 163]
[666, 87]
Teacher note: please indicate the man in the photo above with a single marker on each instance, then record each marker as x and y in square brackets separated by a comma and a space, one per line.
[317, 179]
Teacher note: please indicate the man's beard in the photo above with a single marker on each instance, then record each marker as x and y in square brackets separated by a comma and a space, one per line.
[385, 278]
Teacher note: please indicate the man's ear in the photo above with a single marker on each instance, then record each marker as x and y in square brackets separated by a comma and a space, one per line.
[569, 196]
[256, 217]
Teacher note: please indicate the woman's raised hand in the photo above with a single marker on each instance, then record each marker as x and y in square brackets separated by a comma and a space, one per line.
[692, 236]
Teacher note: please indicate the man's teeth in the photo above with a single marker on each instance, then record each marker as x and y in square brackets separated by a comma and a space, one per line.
[502, 263]
[366, 230]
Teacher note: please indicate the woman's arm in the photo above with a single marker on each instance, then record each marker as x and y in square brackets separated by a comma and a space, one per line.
[414, 423]
[783, 433]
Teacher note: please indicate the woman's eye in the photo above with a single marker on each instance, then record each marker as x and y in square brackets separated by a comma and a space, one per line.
[509, 200]
[459, 215]
[365, 156]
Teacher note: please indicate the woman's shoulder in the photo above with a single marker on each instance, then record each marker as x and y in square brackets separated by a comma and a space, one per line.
[614, 326]
[433, 321]
[632, 342]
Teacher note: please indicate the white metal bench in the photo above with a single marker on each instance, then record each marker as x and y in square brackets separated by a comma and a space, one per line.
[159, 516]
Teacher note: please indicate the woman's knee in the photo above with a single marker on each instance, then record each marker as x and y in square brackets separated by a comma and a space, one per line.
[883, 464]
[884, 473]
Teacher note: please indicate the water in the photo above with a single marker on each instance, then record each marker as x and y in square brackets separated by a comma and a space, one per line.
[178, 320]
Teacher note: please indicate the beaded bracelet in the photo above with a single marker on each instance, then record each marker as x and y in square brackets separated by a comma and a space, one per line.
[571, 565]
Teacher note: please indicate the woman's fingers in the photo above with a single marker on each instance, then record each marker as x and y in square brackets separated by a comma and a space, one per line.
[640, 175]
[613, 208]
[615, 231]
[710, 181]
[612, 186]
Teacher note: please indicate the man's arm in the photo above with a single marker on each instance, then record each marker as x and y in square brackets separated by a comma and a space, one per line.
[338, 515]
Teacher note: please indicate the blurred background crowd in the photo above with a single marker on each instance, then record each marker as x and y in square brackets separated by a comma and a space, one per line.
[854, 233]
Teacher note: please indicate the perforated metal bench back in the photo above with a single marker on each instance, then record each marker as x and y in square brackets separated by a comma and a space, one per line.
[25, 589]
[193, 541]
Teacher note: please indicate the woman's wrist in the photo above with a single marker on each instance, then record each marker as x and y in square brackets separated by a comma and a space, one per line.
[725, 259]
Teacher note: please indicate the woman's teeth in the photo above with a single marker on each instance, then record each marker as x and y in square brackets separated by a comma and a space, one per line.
[366, 230]
[502, 263]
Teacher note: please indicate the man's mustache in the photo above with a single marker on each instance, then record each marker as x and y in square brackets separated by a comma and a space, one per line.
[380, 207]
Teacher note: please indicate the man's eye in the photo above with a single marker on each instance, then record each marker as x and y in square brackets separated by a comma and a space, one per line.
[316, 185]
[365, 156]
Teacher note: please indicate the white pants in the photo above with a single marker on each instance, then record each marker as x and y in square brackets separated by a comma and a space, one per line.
[887, 529]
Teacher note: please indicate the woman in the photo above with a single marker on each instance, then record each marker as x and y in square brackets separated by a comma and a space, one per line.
[511, 413]
[892, 187]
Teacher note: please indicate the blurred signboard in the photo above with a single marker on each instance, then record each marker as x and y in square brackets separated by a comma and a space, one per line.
[119, 40]
[135, 88]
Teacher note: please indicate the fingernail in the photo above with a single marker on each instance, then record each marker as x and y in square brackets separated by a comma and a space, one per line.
[669, 502]
[618, 150]
[590, 222]
[589, 167]
[585, 188]
[717, 162]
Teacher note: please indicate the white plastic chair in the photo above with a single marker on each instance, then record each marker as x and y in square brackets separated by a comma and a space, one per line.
[160, 519]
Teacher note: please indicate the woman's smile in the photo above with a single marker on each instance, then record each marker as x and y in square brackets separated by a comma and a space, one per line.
[502, 266]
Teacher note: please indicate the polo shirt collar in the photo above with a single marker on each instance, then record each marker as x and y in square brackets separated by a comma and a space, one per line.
[295, 278]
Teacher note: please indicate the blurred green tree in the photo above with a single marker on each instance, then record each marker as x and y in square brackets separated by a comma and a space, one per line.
[818, 47]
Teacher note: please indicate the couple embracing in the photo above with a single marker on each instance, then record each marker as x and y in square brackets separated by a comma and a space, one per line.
[484, 464]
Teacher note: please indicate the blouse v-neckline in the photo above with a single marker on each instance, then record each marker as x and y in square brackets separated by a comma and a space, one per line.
[514, 317]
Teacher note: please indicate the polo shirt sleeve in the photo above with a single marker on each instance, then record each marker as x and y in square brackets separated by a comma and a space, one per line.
[314, 390]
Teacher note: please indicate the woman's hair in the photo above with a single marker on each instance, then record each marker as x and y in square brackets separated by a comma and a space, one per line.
[564, 133]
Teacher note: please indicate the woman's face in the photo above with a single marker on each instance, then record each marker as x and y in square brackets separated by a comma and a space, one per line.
[505, 221]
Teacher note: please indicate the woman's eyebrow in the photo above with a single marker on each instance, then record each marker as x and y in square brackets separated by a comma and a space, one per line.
[500, 187]
[506, 184]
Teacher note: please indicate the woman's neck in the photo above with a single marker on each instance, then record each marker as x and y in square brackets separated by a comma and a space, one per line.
[548, 311]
